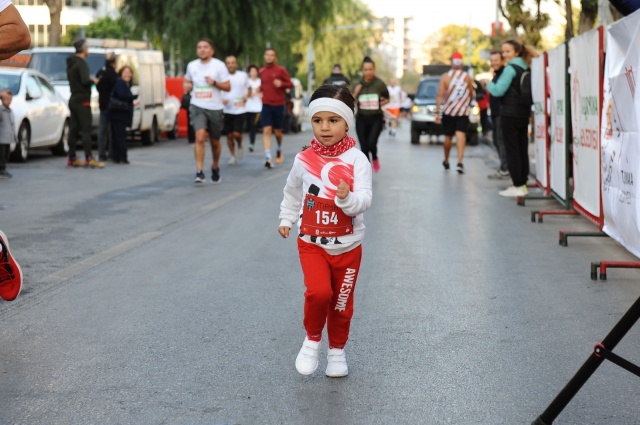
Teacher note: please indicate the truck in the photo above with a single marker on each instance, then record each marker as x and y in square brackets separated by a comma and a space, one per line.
[423, 112]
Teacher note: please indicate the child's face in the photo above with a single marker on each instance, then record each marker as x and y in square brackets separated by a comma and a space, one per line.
[328, 128]
[6, 99]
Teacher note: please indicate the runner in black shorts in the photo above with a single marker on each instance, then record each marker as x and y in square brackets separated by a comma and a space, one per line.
[451, 124]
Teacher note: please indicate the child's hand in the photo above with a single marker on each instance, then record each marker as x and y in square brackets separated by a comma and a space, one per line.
[343, 190]
[284, 231]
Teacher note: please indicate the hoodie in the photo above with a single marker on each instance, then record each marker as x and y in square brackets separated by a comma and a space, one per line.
[79, 79]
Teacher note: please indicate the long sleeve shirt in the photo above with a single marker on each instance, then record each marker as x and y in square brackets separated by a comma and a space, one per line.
[272, 95]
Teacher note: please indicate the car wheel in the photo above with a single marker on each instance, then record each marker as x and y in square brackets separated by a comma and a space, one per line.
[62, 148]
[21, 153]
[173, 133]
[150, 136]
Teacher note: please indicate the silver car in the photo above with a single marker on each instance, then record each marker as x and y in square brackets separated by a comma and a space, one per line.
[41, 115]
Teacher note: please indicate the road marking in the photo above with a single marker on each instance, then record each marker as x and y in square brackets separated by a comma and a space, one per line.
[95, 260]
[220, 202]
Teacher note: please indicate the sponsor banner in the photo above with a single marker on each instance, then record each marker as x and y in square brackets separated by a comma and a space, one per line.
[584, 57]
[540, 129]
[620, 138]
[558, 105]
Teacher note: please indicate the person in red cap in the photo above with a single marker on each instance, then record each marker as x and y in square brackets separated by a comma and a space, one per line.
[457, 91]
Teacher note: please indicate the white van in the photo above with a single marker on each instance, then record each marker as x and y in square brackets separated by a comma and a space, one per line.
[148, 78]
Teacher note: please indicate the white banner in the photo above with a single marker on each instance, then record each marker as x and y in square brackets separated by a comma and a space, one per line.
[557, 151]
[620, 138]
[584, 57]
[538, 88]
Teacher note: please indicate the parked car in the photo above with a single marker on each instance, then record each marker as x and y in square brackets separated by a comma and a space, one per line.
[423, 113]
[41, 114]
[169, 123]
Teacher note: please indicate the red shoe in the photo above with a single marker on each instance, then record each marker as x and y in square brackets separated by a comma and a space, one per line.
[10, 273]
[376, 165]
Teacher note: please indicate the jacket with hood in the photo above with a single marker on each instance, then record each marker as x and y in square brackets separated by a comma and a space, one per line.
[79, 79]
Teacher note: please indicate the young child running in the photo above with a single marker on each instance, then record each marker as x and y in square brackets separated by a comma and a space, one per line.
[327, 192]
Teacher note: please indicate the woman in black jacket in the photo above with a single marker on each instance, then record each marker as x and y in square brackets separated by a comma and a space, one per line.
[121, 116]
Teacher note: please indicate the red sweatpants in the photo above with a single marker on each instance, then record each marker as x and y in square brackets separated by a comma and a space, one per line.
[330, 281]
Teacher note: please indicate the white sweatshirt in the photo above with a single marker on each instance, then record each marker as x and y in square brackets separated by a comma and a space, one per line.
[323, 175]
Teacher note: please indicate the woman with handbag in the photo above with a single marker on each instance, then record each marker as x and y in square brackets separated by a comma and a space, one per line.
[121, 114]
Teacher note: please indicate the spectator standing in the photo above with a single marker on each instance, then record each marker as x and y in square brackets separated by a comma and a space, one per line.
[371, 95]
[337, 77]
[253, 105]
[234, 109]
[121, 118]
[275, 80]
[7, 132]
[80, 82]
[456, 92]
[107, 77]
[494, 105]
[206, 78]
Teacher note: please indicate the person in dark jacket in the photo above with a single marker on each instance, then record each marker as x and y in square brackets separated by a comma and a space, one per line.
[107, 77]
[337, 77]
[80, 82]
[121, 118]
[494, 105]
[514, 114]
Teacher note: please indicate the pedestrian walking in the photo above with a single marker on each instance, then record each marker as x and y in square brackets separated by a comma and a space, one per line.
[494, 106]
[514, 114]
[107, 77]
[337, 77]
[253, 105]
[7, 132]
[14, 33]
[371, 95]
[393, 107]
[456, 91]
[275, 80]
[328, 208]
[121, 114]
[80, 82]
[206, 78]
[234, 109]
[10, 272]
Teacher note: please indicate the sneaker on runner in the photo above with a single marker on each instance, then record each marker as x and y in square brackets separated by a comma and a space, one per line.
[200, 177]
[232, 161]
[445, 164]
[240, 152]
[460, 168]
[279, 157]
[250, 148]
[336, 363]
[307, 360]
[499, 175]
[10, 272]
[215, 176]
[4, 174]
[268, 163]
[74, 162]
[92, 163]
[376, 165]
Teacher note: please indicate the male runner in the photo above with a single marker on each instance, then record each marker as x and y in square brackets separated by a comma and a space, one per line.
[234, 108]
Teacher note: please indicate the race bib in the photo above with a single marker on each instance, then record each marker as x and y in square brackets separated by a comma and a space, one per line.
[203, 92]
[369, 101]
[238, 102]
[322, 217]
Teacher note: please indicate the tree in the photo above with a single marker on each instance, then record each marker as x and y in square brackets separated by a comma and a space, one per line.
[454, 38]
[55, 28]
[525, 23]
[588, 15]
[107, 27]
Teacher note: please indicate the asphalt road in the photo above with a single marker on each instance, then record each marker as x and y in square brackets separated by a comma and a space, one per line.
[150, 301]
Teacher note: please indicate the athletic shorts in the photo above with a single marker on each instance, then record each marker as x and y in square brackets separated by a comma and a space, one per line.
[272, 116]
[233, 123]
[451, 124]
[394, 111]
[207, 119]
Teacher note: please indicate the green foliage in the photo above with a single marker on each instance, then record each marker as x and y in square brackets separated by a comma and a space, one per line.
[526, 23]
[454, 38]
[107, 27]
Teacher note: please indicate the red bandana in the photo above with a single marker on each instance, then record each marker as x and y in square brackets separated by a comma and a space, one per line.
[334, 150]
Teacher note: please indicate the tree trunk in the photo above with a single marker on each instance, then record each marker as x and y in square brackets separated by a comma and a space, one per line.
[588, 15]
[55, 28]
[568, 33]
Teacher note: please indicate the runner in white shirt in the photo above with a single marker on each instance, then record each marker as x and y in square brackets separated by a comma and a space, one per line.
[234, 108]
[393, 107]
[14, 34]
[254, 103]
[206, 78]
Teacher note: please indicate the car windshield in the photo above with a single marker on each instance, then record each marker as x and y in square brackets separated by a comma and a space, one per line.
[11, 82]
[54, 64]
[428, 89]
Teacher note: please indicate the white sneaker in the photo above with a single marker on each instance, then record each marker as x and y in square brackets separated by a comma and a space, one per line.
[336, 363]
[232, 161]
[513, 192]
[307, 360]
[240, 153]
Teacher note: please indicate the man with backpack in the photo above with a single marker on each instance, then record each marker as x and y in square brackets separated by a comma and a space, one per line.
[514, 86]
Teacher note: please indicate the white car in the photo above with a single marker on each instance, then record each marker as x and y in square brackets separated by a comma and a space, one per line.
[169, 124]
[41, 115]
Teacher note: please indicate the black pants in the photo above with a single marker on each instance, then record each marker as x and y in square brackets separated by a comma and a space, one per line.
[119, 140]
[252, 125]
[369, 128]
[80, 123]
[4, 156]
[516, 143]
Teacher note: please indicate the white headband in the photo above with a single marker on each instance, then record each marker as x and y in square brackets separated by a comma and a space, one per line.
[327, 104]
